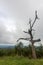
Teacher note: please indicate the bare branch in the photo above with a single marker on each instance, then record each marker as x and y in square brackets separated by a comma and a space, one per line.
[36, 17]
[38, 40]
[23, 39]
[33, 23]
[25, 32]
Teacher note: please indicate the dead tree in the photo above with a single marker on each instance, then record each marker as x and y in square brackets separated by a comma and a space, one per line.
[31, 36]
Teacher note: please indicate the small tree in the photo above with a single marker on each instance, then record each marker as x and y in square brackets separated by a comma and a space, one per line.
[18, 49]
[31, 36]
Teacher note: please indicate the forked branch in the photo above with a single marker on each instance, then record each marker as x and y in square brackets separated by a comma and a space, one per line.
[28, 39]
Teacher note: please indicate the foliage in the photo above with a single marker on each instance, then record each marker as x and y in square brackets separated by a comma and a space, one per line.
[21, 50]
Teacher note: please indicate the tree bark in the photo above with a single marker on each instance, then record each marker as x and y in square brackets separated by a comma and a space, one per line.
[33, 52]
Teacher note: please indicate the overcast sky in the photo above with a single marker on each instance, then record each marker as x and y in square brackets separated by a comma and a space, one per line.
[14, 18]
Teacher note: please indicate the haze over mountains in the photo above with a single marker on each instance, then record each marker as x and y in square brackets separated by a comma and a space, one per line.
[7, 45]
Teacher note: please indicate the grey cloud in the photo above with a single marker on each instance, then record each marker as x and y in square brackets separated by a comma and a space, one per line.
[17, 13]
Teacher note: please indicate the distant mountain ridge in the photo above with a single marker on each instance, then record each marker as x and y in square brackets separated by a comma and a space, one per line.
[7, 45]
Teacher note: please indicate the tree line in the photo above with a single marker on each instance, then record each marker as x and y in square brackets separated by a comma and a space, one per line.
[21, 50]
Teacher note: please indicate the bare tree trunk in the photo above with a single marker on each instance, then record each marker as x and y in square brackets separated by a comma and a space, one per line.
[33, 52]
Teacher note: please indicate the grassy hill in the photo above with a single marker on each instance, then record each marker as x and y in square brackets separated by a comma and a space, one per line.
[17, 60]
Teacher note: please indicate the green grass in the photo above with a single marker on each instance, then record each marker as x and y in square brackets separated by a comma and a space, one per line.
[19, 61]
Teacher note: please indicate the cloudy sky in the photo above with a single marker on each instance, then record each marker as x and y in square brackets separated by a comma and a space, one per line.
[14, 18]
